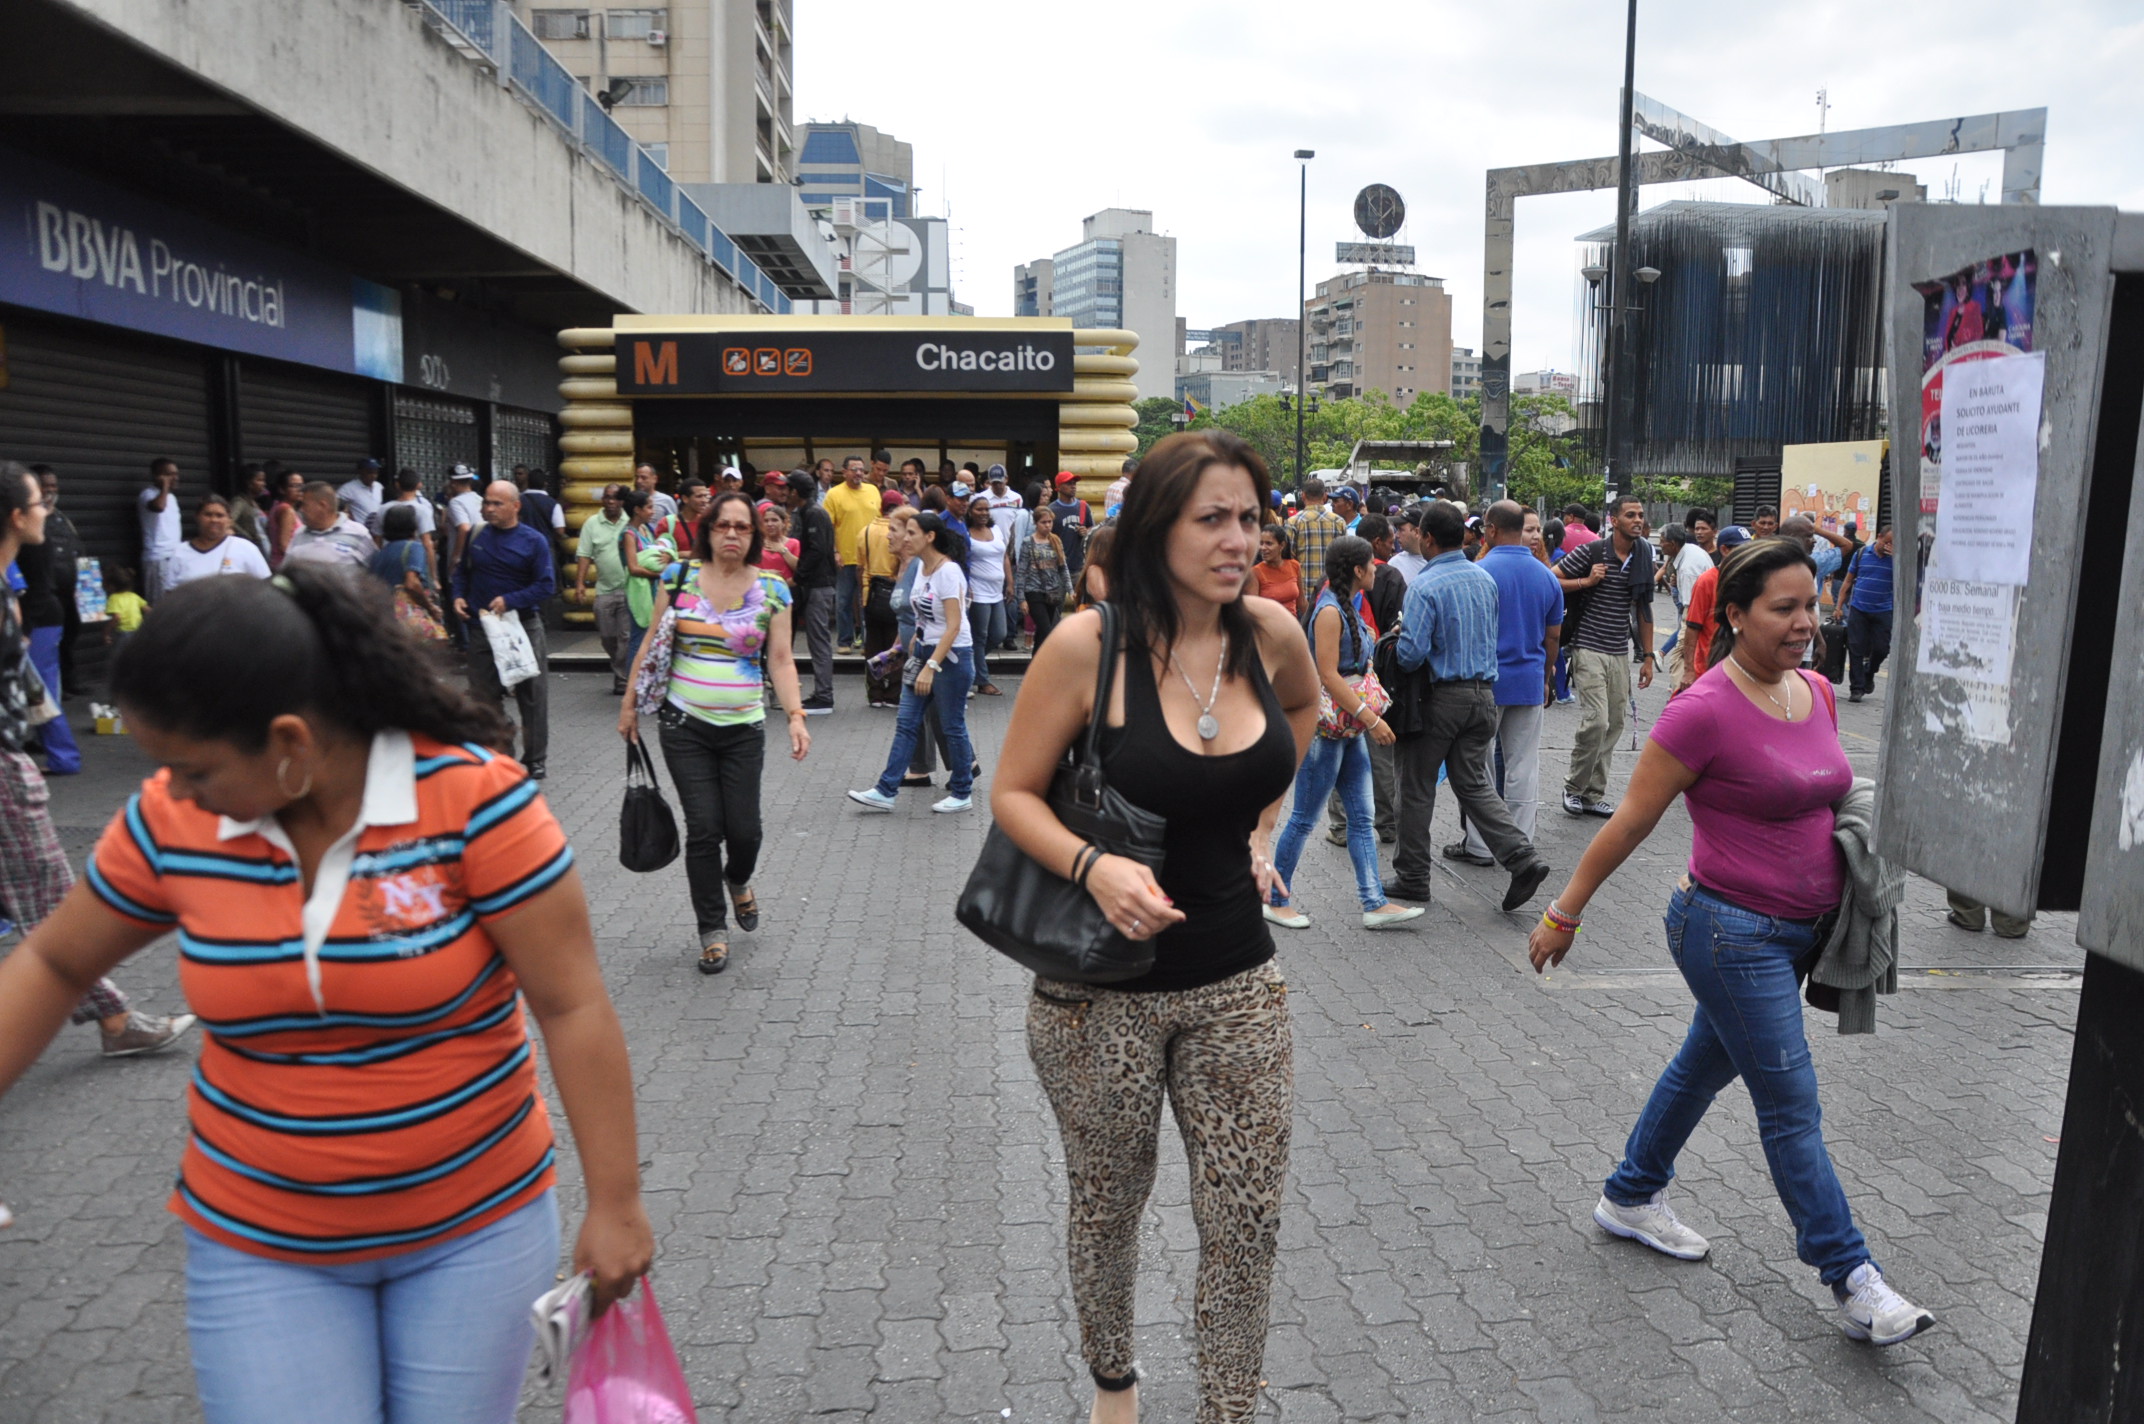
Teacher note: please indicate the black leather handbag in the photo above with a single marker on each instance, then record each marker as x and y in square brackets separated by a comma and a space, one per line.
[1833, 665]
[1035, 916]
[647, 831]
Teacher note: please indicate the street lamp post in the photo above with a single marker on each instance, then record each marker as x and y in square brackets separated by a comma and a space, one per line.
[1302, 276]
[1618, 431]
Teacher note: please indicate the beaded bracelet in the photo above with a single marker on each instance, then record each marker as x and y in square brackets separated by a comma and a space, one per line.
[1554, 918]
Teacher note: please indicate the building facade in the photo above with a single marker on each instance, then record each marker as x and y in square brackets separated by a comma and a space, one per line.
[1260, 344]
[1032, 288]
[1380, 331]
[1217, 390]
[707, 87]
[1121, 275]
[852, 160]
[383, 305]
[1466, 372]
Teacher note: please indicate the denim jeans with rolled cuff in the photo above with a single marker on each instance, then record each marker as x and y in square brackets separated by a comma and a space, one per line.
[1739, 965]
[990, 623]
[1343, 763]
[949, 697]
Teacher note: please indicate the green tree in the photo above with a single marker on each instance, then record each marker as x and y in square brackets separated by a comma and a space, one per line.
[1156, 418]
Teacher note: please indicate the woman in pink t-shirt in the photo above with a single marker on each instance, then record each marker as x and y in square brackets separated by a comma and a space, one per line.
[1752, 747]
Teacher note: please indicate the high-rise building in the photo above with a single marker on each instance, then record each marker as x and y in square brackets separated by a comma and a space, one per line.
[1259, 344]
[1031, 288]
[706, 87]
[1466, 373]
[1380, 331]
[851, 160]
[1122, 274]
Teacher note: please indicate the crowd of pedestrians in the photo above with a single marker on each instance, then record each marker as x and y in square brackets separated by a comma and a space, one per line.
[333, 800]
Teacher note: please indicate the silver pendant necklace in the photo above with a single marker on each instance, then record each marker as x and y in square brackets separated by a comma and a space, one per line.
[1786, 707]
[1209, 725]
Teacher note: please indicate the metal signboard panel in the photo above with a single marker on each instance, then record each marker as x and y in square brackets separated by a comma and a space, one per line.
[1391, 254]
[1968, 795]
[2112, 918]
[780, 361]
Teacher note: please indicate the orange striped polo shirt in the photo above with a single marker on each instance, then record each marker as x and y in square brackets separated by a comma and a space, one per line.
[374, 1093]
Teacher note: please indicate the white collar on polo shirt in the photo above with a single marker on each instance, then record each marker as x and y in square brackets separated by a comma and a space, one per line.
[390, 800]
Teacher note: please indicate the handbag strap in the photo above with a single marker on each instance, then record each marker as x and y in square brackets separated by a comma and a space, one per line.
[639, 763]
[1105, 678]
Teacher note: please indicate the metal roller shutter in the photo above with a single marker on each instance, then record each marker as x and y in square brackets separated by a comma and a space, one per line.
[317, 424]
[97, 405]
[522, 437]
[432, 435]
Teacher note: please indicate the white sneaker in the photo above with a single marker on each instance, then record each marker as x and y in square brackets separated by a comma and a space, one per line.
[952, 804]
[1385, 917]
[1287, 919]
[1653, 1223]
[872, 799]
[1872, 1311]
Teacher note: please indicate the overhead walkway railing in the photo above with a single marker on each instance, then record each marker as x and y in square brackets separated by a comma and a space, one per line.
[487, 32]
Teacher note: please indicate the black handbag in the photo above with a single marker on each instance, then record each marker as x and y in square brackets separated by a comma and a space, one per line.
[1035, 916]
[647, 831]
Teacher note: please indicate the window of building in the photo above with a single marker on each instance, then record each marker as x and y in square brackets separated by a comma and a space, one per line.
[830, 146]
[660, 152]
[560, 24]
[634, 24]
[649, 91]
[855, 180]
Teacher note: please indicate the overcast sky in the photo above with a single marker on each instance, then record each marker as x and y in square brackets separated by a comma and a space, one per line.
[1026, 118]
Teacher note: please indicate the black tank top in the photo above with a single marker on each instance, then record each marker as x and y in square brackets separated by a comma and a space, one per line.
[1212, 804]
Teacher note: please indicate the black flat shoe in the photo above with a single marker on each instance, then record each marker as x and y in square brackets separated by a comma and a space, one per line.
[746, 906]
[714, 958]
[912, 782]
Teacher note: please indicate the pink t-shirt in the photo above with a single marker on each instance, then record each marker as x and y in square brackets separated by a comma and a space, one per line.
[1763, 796]
[1575, 537]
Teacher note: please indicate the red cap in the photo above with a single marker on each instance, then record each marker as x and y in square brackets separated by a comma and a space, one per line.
[1066, 477]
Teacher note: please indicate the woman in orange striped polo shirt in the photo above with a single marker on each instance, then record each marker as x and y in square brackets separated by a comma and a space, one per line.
[364, 896]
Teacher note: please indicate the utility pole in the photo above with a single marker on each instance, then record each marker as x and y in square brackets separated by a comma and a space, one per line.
[1619, 414]
[1302, 277]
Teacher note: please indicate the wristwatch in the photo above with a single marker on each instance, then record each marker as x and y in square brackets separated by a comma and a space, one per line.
[934, 665]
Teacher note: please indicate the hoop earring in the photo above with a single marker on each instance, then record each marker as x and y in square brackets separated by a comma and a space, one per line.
[282, 768]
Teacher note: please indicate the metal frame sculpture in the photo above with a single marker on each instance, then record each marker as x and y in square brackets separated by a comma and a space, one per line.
[1700, 152]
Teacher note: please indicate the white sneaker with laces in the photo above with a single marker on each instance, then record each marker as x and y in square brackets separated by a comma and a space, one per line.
[1654, 1224]
[1870, 1310]
[952, 804]
[872, 799]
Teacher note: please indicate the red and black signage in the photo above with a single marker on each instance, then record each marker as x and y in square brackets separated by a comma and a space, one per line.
[801, 362]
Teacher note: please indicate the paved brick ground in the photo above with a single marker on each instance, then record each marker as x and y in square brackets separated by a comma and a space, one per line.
[859, 1197]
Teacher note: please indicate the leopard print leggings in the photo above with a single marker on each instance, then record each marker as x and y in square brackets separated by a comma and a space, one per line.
[1224, 1055]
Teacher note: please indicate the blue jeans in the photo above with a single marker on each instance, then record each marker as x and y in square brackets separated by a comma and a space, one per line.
[991, 622]
[62, 755]
[1346, 763]
[436, 1336]
[949, 695]
[848, 603]
[1748, 1025]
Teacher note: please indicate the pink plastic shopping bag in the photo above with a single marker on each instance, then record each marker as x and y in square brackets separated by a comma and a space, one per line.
[626, 1371]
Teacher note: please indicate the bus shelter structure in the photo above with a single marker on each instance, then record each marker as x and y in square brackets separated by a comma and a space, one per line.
[692, 394]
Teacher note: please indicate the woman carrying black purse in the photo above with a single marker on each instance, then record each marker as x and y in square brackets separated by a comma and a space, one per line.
[1212, 710]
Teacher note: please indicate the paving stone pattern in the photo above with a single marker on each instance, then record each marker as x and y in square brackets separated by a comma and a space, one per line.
[859, 1193]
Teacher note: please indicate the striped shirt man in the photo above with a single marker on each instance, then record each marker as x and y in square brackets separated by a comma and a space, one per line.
[1450, 621]
[367, 1086]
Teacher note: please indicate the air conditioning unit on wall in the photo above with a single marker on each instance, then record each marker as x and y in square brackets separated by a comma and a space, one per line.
[658, 38]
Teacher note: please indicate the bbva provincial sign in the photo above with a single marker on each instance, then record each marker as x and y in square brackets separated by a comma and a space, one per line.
[818, 361]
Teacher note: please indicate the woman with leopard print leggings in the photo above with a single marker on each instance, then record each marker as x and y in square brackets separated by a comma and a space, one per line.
[1207, 1026]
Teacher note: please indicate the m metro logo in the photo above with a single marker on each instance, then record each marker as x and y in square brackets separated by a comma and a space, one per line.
[654, 365]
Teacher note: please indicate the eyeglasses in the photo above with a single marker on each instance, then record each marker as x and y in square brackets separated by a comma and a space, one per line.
[729, 527]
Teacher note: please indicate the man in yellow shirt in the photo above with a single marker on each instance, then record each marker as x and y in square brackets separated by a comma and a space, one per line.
[852, 504]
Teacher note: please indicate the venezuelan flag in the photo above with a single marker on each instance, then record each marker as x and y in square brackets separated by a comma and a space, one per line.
[1192, 409]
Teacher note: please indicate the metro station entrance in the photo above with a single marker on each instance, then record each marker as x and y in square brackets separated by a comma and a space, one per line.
[691, 394]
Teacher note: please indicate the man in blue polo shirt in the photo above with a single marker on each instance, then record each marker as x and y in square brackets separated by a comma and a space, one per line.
[507, 569]
[1529, 622]
[1449, 626]
[1866, 597]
